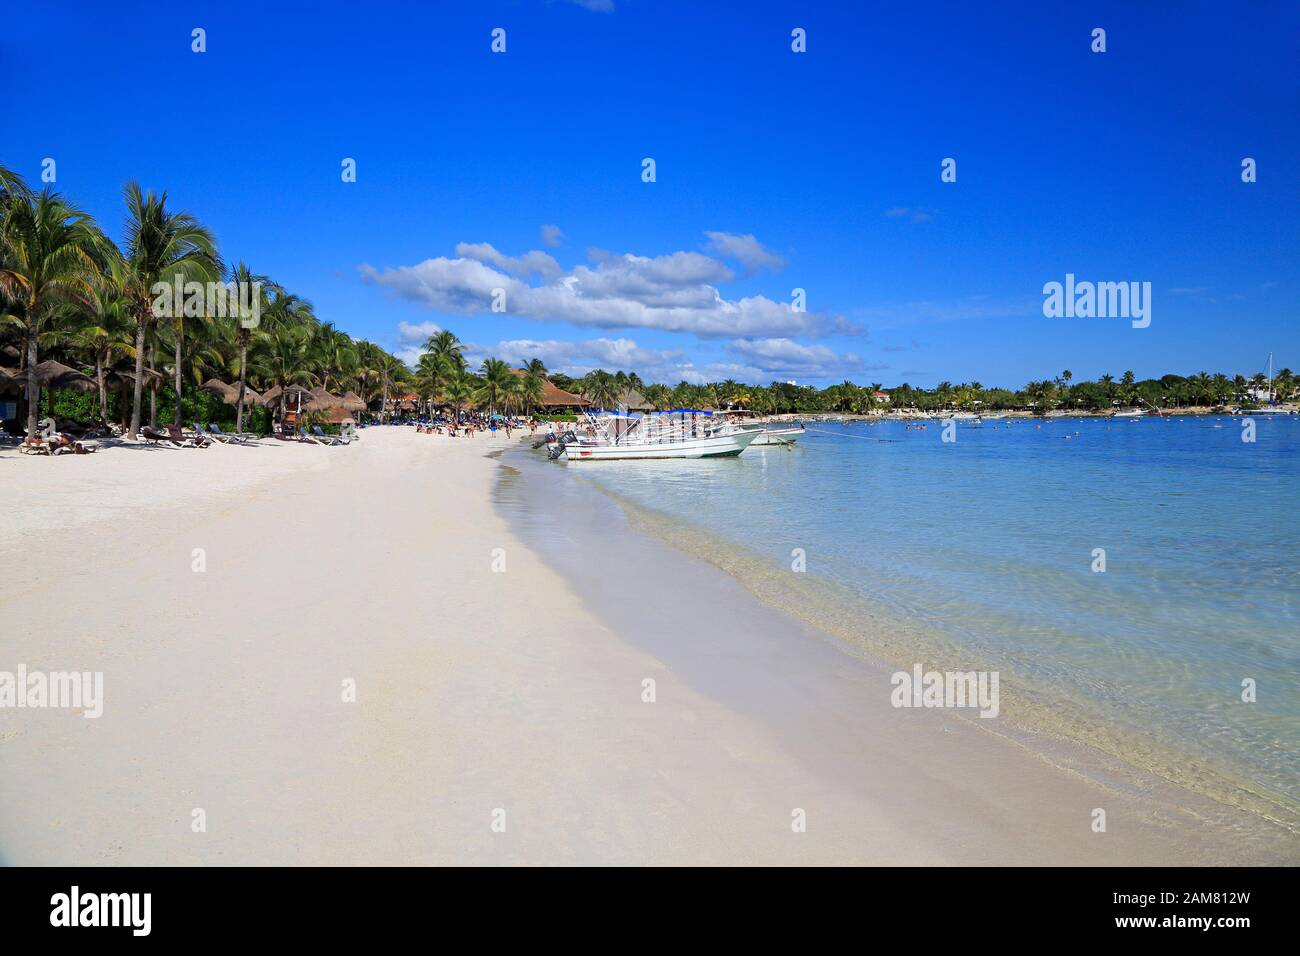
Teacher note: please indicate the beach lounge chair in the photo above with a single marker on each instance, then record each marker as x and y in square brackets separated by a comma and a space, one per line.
[215, 431]
[165, 438]
[218, 435]
[155, 437]
[319, 437]
[197, 441]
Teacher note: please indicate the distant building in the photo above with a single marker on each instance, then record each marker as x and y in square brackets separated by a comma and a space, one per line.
[880, 396]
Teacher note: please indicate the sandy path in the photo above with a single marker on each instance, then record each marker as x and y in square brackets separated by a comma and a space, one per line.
[476, 690]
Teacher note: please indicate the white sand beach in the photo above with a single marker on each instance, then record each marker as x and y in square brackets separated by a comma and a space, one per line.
[477, 690]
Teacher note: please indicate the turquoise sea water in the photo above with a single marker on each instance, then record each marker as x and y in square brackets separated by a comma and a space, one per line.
[988, 543]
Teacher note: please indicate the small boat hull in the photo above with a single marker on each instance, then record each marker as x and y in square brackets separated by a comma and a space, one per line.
[714, 446]
[776, 436]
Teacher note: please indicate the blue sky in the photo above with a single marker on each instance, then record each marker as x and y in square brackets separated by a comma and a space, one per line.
[775, 171]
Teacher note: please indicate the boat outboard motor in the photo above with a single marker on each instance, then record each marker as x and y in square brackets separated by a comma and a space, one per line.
[557, 449]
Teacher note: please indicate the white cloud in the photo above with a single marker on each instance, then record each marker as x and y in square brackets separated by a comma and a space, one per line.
[552, 236]
[675, 292]
[410, 355]
[530, 263]
[599, 6]
[783, 355]
[407, 332]
[746, 250]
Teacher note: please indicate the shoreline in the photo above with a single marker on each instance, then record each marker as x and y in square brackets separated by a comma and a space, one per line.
[1052, 725]
[476, 690]
[797, 639]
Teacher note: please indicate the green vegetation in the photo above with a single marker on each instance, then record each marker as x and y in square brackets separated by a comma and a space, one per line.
[70, 293]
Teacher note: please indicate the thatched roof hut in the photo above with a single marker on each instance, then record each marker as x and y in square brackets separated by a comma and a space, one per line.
[51, 374]
[354, 402]
[230, 393]
[339, 416]
[633, 401]
[291, 393]
[123, 373]
[554, 397]
[321, 400]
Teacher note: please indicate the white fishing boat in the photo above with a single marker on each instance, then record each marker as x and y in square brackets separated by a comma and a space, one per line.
[774, 435]
[680, 433]
[1130, 413]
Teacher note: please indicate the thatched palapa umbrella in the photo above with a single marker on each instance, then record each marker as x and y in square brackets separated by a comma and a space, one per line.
[282, 396]
[321, 400]
[230, 393]
[51, 375]
[354, 402]
[293, 392]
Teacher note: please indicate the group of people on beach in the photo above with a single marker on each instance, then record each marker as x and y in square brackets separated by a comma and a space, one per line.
[469, 426]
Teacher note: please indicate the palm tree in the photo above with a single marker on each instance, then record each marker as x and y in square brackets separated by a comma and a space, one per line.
[282, 358]
[460, 392]
[600, 388]
[106, 335]
[532, 386]
[178, 335]
[1202, 388]
[369, 356]
[1284, 384]
[11, 186]
[332, 355]
[160, 245]
[48, 251]
[761, 401]
[244, 278]
[433, 372]
[1107, 382]
[446, 344]
[513, 398]
[657, 396]
[496, 381]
